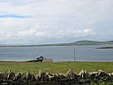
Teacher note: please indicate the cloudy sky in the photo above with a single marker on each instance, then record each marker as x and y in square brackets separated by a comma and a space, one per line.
[55, 21]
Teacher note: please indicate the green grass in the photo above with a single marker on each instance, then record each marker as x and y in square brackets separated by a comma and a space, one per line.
[57, 67]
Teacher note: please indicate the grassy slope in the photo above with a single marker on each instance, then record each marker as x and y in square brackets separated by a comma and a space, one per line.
[85, 42]
[59, 67]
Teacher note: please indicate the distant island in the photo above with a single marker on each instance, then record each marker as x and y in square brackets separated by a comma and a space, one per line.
[84, 42]
[105, 48]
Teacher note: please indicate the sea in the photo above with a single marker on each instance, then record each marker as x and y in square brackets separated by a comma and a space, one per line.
[58, 53]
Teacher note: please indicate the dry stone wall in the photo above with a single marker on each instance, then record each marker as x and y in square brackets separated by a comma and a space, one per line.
[44, 78]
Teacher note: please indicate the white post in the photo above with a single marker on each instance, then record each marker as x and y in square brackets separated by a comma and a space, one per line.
[74, 55]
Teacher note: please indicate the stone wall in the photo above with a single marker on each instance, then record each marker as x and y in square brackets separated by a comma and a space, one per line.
[44, 78]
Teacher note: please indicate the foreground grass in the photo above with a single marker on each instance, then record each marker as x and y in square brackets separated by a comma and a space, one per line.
[57, 67]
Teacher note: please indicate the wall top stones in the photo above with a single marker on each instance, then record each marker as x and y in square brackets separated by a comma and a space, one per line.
[44, 78]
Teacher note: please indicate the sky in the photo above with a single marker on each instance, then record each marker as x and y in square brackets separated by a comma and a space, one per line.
[55, 21]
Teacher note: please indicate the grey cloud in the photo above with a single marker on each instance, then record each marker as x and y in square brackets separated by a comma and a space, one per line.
[59, 19]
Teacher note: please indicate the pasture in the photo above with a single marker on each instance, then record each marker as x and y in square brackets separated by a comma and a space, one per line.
[55, 67]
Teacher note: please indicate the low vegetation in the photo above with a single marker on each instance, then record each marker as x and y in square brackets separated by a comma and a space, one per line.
[56, 67]
[31, 68]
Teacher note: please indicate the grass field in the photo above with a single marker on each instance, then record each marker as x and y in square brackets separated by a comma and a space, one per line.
[56, 67]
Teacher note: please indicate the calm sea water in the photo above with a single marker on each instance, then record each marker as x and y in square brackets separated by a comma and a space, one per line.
[57, 53]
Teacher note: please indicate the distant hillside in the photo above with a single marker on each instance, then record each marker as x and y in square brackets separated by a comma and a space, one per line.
[84, 42]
